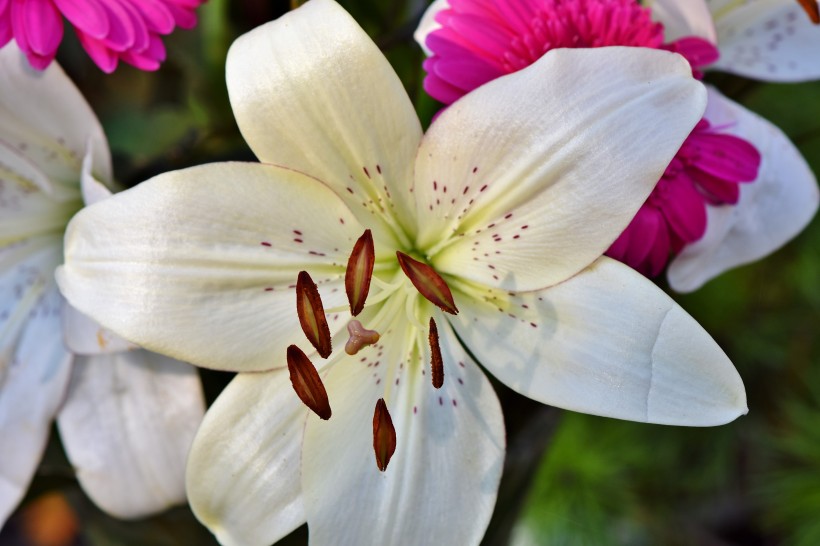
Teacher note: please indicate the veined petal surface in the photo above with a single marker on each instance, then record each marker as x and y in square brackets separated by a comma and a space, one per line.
[44, 115]
[772, 209]
[243, 475]
[511, 182]
[183, 267]
[34, 373]
[770, 40]
[448, 459]
[344, 119]
[606, 342]
[127, 424]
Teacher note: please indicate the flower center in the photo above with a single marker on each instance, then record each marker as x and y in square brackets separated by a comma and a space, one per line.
[304, 376]
[581, 23]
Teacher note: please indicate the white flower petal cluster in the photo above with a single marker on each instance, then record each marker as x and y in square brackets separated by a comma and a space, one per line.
[126, 416]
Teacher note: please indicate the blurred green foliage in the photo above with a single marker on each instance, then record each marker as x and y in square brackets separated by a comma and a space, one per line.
[570, 479]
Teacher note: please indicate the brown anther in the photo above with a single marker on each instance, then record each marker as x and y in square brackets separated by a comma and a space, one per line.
[312, 314]
[428, 283]
[812, 9]
[436, 363]
[360, 337]
[359, 272]
[307, 383]
[384, 435]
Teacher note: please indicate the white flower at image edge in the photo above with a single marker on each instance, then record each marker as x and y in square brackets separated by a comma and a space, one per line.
[511, 197]
[126, 416]
[769, 40]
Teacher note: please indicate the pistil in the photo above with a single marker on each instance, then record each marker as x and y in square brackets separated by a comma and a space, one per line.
[360, 337]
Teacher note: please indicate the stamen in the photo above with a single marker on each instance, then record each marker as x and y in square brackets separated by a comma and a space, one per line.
[312, 314]
[307, 383]
[359, 272]
[384, 435]
[812, 9]
[360, 337]
[436, 363]
[428, 283]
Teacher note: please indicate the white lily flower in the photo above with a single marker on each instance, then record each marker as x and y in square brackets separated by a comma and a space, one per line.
[507, 203]
[769, 40]
[722, 224]
[126, 417]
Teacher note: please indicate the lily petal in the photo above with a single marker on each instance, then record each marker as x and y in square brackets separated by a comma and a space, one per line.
[682, 19]
[243, 475]
[34, 373]
[771, 41]
[448, 458]
[772, 209]
[606, 342]
[588, 143]
[31, 204]
[181, 267]
[344, 119]
[126, 425]
[43, 113]
[85, 336]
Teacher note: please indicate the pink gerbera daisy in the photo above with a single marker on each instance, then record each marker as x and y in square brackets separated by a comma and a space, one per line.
[109, 30]
[480, 40]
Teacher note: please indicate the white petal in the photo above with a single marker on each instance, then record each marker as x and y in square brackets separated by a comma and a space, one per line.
[549, 164]
[93, 190]
[85, 336]
[181, 263]
[46, 117]
[243, 474]
[606, 342]
[126, 425]
[327, 103]
[770, 40]
[771, 210]
[34, 373]
[429, 24]
[686, 18]
[440, 485]
[26, 210]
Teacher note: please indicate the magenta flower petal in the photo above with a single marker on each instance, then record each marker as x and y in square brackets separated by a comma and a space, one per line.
[150, 59]
[109, 30]
[104, 57]
[157, 15]
[86, 15]
[6, 33]
[717, 191]
[698, 52]
[683, 207]
[727, 157]
[44, 27]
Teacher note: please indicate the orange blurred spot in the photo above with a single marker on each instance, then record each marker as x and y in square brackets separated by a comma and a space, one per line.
[49, 521]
